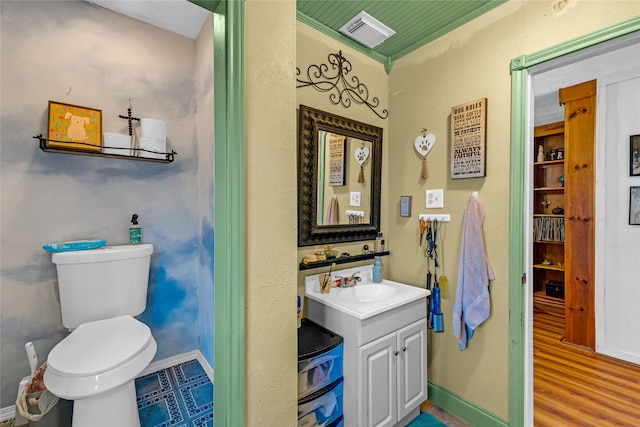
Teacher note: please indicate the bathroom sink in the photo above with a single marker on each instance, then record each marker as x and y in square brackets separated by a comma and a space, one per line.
[366, 293]
[366, 299]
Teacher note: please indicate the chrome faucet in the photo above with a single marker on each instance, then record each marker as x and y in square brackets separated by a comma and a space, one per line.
[352, 281]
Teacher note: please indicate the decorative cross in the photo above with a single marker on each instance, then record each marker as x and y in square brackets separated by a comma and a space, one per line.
[129, 118]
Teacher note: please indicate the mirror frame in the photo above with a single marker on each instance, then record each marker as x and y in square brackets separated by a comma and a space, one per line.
[311, 121]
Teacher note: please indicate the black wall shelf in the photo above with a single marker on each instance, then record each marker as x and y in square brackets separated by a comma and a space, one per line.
[80, 152]
[342, 260]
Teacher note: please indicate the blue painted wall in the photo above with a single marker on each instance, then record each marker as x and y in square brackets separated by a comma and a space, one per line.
[76, 53]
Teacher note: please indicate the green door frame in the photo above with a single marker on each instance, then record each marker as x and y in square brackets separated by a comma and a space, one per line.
[228, 347]
[229, 215]
[518, 192]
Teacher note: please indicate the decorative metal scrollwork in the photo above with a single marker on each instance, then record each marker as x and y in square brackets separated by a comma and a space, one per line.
[342, 90]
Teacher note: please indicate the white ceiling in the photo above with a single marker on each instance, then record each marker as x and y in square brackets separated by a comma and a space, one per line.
[178, 16]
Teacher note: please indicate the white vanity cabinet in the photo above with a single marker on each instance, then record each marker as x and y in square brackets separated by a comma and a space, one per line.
[392, 376]
[385, 351]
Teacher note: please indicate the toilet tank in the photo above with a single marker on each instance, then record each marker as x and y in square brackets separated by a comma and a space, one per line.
[102, 283]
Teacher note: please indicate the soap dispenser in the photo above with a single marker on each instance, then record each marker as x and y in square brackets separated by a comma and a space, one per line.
[377, 270]
[135, 233]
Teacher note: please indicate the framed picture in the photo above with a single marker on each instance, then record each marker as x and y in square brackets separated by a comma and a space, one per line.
[405, 205]
[634, 206]
[74, 127]
[634, 155]
[468, 139]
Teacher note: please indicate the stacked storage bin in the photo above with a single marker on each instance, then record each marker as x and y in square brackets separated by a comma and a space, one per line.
[319, 376]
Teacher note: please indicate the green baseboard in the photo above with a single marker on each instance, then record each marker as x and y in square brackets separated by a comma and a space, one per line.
[460, 408]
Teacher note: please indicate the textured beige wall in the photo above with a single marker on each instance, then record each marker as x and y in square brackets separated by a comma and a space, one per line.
[270, 200]
[469, 63]
[314, 47]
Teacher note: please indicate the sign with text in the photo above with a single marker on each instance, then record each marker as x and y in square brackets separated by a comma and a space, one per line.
[468, 139]
[336, 159]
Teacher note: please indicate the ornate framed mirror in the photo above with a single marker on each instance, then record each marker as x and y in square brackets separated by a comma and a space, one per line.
[339, 178]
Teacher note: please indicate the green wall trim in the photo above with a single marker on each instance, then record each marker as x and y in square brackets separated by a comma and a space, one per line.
[519, 105]
[336, 35]
[466, 411]
[516, 248]
[229, 369]
[623, 28]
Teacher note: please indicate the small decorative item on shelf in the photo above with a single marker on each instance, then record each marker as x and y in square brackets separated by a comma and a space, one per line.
[557, 211]
[309, 258]
[561, 180]
[540, 153]
[330, 253]
[546, 204]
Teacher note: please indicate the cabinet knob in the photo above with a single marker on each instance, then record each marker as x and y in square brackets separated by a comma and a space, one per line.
[395, 353]
[404, 349]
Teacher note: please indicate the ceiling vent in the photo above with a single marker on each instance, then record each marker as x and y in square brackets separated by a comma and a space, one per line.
[367, 30]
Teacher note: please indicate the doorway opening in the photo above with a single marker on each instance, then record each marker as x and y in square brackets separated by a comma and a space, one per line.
[528, 78]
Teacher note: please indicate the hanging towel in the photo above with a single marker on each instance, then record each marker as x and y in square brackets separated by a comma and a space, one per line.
[471, 306]
[331, 216]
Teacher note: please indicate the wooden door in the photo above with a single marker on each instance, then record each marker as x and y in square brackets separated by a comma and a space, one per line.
[579, 127]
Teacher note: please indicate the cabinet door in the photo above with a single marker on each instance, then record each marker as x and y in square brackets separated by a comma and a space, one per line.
[412, 367]
[377, 391]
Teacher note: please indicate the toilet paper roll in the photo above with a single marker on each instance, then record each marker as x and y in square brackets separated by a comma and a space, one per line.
[153, 128]
[116, 143]
[153, 148]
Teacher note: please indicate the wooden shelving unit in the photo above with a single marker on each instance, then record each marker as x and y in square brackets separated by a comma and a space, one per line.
[548, 193]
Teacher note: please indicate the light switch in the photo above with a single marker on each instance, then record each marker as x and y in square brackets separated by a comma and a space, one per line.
[354, 200]
[435, 198]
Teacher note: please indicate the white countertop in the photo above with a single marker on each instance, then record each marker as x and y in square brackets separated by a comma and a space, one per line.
[366, 299]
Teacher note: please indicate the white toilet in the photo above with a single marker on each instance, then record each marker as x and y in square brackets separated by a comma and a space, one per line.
[96, 365]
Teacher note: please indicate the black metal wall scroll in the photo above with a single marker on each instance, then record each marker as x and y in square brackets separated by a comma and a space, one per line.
[342, 90]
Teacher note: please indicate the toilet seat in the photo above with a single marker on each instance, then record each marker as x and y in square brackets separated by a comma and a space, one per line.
[99, 356]
[98, 346]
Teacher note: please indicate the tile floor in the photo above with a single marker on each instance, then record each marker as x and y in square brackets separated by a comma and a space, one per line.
[179, 396]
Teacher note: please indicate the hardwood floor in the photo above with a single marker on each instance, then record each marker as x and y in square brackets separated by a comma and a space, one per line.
[577, 387]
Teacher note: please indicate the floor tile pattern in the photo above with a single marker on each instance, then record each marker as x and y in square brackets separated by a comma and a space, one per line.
[179, 396]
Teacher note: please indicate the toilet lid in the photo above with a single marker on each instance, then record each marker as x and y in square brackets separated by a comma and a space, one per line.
[95, 347]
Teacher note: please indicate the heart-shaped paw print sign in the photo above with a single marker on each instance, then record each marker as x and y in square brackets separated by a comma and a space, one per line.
[362, 154]
[424, 144]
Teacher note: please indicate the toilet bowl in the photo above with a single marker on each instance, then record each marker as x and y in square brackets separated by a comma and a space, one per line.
[96, 366]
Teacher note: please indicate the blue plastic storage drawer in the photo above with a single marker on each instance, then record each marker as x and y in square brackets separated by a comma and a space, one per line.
[321, 408]
[319, 358]
[319, 371]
